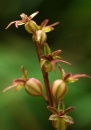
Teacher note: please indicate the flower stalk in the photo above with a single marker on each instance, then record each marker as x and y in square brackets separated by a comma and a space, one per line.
[45, 77]
[48, 62]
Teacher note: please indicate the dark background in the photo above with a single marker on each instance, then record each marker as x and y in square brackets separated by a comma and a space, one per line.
[19, 111]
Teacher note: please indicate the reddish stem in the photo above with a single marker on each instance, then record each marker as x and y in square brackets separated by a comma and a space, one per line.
[45, 76]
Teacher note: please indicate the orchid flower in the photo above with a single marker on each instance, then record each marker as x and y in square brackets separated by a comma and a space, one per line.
[59, 117]
[49, 59]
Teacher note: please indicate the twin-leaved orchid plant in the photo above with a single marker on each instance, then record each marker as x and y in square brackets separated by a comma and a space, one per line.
[48, 61]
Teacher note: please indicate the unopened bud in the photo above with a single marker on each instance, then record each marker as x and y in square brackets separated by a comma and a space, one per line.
[59, 89]
[34, 87]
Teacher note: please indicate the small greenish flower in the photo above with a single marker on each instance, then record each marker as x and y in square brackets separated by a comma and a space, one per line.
[25, 19]
[31, 25]
[69, 78]
[60, 86]
[32, 86]
[20, 82]
[49, 59]
[59, 117]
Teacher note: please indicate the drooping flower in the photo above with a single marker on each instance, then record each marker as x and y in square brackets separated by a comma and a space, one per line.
[32, 86]
[49, 59]
[20, 82]
[59, 117]
[60, 86]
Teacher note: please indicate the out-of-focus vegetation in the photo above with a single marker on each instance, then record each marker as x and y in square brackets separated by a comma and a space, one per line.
[19, 111]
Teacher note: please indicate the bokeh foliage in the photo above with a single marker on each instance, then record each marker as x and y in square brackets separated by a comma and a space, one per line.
[73, 35]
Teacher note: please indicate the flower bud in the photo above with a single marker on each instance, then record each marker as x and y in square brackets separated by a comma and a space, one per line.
[59, 89]
[31, 26]
[40, 37]
[34, 87]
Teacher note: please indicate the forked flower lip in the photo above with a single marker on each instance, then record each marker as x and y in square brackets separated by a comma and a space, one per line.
[24, 19]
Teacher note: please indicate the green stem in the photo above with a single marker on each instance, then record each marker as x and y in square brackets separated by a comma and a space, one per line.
[45, 76]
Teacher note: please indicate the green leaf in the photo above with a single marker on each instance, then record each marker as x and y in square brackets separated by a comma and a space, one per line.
[47, 50]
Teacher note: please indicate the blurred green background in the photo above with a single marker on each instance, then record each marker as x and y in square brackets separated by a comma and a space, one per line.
[19, 111]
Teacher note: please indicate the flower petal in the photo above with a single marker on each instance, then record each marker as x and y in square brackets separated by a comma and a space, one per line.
[54, 24]
[19, 87]
[16, 24]
[44, 23]
[62, 72]
[47, 50]
[68, 119]
[69, 109]
[53, 117]
[61, 105]
[33, 15]
[48, 29]
[75, 77]
[24, 73]
[9, 87]
[80, 75]
[63, 61]
[55, 53]
[52, 109]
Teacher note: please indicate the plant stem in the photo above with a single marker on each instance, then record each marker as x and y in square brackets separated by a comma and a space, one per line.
[45, 76]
